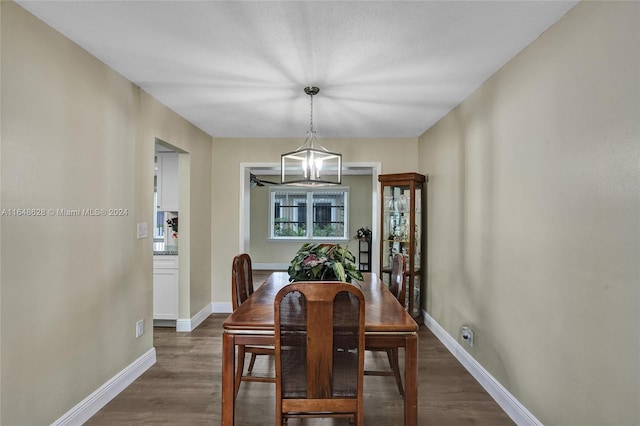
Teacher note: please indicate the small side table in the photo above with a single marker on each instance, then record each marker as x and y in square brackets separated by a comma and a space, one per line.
[364, 255]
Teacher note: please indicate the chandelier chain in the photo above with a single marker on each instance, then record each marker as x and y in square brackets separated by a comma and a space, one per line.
[311, 120]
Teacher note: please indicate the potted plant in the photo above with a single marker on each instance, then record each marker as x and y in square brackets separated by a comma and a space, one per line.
[173, 224]
[363, 234]
[324, 262]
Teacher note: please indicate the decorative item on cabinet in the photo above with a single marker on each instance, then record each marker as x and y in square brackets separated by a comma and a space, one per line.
[172, 237]
[363, 235]
[401, 231]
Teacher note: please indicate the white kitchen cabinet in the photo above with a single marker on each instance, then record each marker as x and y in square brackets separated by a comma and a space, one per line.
[165, 287]
[167, 181]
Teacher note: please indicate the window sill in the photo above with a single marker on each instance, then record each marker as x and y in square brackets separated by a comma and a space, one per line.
[308, 240]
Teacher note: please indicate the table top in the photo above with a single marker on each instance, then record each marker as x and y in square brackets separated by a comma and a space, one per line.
[383, 312]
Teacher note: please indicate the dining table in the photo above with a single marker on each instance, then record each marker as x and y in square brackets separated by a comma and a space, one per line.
[387, 325]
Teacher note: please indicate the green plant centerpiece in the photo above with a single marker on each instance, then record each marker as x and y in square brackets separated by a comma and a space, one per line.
[324, 262]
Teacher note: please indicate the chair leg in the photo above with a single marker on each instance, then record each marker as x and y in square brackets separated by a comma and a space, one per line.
[392, 354]
[240, 368]
[253, 360]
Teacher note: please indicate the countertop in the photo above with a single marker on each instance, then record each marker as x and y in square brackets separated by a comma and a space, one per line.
[162, 249]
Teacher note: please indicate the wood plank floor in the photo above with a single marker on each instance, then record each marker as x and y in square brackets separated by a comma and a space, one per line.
[183, 388]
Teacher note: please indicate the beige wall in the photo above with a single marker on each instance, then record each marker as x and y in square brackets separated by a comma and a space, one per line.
[77, 135]
[264, 250]
[162, 123]
[533, 220]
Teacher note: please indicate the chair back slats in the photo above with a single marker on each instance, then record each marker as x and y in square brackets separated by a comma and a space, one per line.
[293, 342]
[242, 279]
[319, 333]
[397, 282]
[319, 356]
[345, 345]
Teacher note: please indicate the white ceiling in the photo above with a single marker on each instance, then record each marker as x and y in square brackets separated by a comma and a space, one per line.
[238, 68]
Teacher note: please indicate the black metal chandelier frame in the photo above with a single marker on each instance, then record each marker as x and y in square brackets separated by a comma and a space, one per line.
[311, 164]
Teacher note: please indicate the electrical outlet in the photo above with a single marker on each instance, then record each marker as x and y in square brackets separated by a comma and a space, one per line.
[140, 328]
[467, 334]
[142, 231]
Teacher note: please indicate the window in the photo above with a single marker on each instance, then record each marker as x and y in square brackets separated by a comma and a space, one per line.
[326, 217]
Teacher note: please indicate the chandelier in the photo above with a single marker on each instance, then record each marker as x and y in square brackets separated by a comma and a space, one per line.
[311, 164]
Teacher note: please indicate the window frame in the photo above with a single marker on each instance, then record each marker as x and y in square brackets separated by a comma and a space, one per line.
[309, 210]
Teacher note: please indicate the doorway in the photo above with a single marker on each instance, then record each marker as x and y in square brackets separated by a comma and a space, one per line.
[170, 236]
[269, 173]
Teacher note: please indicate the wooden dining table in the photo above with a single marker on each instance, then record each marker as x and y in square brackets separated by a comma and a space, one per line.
[387, 324]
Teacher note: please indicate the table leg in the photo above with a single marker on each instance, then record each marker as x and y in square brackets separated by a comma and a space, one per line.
[228, 379]
[411, 381]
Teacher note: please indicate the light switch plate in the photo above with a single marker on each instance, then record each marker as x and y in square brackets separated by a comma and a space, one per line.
[142, 230]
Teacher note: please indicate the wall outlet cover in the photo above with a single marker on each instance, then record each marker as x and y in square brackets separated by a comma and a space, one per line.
[142, 230]
[140, 328]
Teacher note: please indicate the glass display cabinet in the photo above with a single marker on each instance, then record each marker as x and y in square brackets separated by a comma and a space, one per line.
[401, 231]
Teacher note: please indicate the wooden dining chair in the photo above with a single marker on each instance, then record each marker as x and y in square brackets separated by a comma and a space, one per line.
[319, 342]
[397, 287]
[241, 289]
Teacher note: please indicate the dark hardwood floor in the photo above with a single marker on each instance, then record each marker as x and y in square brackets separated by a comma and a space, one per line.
[183, 388]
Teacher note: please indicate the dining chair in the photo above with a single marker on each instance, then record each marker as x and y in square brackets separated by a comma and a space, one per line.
[398, 289]
[319, 342]
[241, 289]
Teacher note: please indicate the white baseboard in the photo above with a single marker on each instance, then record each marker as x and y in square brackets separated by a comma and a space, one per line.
[105, 393]
[222, 308]
[188, 325]
[183, 325]
[514, 409]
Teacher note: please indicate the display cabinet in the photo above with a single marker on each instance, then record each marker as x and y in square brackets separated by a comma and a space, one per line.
[402, 229]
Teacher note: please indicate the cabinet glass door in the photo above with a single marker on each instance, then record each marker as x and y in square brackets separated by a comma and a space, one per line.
[401, 231]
